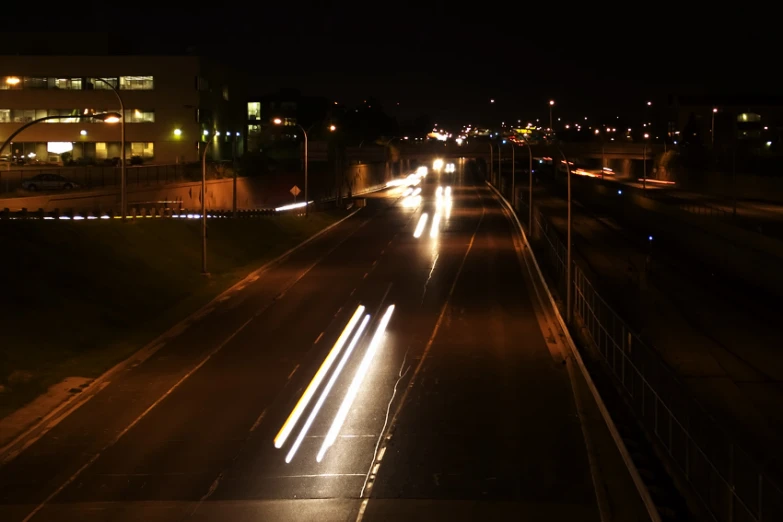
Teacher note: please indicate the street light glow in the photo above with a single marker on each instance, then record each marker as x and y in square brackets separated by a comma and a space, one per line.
[177, 132]
[83, 132]
[12, 80]
[551, 102]
[277, 121]
[332, 128]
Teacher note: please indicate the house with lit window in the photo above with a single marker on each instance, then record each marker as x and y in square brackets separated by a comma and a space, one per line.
[172, 105]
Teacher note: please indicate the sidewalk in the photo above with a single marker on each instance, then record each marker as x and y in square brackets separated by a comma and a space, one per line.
[727, 356]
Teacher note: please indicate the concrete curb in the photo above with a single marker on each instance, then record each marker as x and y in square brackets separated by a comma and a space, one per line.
[641, 487]
[30, 434]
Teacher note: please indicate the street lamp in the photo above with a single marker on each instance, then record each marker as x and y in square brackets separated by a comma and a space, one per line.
[204, 203]
[568, 246]
[108, 117]
[278, 121]
[551, 104]
[712, 132]
[123, 177]
[644, 162]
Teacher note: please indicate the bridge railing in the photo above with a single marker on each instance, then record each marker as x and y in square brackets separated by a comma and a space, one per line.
[729, 481]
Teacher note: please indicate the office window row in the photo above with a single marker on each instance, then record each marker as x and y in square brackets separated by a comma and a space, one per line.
[70, 115]
[125, 83]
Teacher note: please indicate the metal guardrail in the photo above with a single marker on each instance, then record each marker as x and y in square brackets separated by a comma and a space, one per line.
[731, 484]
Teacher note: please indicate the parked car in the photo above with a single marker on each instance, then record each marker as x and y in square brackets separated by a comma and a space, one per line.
[48, 182]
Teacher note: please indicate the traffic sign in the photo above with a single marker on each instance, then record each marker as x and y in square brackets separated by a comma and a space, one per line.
[295, 191]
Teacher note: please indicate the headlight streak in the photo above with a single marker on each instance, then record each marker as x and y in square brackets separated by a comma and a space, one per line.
[342, 413]
[325, 393]
[435, 223]
[296, 413]
[420, 226]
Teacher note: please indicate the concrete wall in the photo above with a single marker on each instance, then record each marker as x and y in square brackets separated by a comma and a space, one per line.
[250, 194]
[261, 192]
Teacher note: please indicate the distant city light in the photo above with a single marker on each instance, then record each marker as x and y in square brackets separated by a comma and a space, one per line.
[177, 132]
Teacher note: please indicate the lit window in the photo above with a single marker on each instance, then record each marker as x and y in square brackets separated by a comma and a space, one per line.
[748, 117]
[143, 149]
[136, 83]
[139, 115]
[10, 82]
[5, 115]
[289, 121]
[74, 84]
[254, 129]
[22, 115]
[101, 151]
[254, 111]
[225, 92]
[99, 84]
[34, 82]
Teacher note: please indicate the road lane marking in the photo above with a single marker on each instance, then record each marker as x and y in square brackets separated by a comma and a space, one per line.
[138, 419]
[319, 337]
[385, 435]
[258, 420]
[304, 400]
[365, 275]
[293, 372]
[352, 292]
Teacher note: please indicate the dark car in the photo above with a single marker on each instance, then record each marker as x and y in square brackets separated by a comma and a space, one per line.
[48, 182]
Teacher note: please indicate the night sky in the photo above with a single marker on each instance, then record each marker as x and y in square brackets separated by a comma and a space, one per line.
[448, 61]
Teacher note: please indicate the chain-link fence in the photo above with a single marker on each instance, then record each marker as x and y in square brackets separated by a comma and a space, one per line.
[731, 484]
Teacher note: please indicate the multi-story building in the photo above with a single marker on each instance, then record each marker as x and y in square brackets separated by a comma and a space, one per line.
[291, 108]
[173, 105]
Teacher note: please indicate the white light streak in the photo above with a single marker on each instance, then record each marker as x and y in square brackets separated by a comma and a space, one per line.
[342, 413]
[420, 226]
[327, 389]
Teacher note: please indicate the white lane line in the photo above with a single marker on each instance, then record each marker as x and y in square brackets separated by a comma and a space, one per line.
[130, 426]
[293, 372]
[352, 292]
[385, 436]
[203, 313]
[258, 420]
[318, 338]
[365, 275]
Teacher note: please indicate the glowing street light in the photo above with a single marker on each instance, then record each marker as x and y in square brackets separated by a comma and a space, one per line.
[12, 80]
[278, 121]
[551, 104]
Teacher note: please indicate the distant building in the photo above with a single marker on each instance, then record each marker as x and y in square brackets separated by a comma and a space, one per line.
[171, 104]
[752, 121]
[291, 108]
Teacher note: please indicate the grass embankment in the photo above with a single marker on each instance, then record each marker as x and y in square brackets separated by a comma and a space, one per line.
[78, 297]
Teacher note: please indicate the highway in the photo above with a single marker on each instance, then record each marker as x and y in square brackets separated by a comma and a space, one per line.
[399, 366]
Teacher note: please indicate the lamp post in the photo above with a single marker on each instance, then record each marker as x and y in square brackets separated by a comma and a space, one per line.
[332, 128]
[551, 104]
[644, 162]
[712, 130]
[278, 121]
[530, 189]
[388, 161]
[513, 178]
[109, 117]
[123, 178]
[491, 162]
[568, 245]
[204, 205]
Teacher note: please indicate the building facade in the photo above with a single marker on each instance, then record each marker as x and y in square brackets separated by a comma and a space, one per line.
[173, 105]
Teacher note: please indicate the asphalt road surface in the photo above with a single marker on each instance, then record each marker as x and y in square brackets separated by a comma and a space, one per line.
[461, 409]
